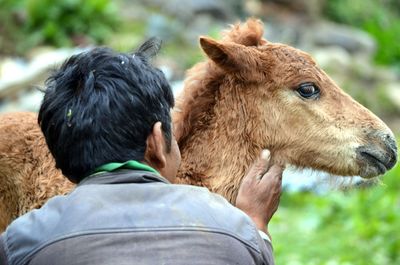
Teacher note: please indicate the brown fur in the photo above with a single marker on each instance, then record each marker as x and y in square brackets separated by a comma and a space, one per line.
[28, 176]
[238, 102]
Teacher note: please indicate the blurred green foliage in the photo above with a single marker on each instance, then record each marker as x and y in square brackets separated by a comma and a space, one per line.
[380, 18]
[27, 23]
[10, 24]
[356, 227]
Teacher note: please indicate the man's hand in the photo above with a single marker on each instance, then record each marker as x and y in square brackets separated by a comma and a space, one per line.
[260, 191]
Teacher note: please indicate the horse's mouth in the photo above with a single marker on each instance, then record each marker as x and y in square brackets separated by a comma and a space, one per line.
[374, 162]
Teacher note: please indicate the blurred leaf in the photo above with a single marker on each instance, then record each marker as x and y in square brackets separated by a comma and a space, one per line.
[57, 21]
[380, 18]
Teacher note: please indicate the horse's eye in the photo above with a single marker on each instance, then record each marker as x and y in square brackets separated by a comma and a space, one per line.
[308, 90]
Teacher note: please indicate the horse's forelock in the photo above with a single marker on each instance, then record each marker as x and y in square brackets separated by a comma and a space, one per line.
[248, 34]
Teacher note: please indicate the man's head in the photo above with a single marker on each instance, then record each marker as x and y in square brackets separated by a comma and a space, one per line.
[102, 106]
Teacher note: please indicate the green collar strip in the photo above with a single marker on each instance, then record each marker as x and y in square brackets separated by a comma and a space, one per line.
[131, 164]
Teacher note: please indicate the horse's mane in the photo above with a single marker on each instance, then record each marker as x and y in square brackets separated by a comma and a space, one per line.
[203, 80]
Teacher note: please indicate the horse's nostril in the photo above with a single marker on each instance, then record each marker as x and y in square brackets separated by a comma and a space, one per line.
[391, 150]
[390, 141]
[392, 161]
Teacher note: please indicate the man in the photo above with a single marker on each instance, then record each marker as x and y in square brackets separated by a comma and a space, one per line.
[106, 120]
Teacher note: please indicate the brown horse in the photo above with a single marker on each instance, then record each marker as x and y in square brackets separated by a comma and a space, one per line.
[249, 95]
[252, 94]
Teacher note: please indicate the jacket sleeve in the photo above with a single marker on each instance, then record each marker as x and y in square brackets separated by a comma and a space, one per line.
[266, 250]
[3, 254]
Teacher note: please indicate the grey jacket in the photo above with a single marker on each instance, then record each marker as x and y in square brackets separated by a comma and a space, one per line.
[134, 217]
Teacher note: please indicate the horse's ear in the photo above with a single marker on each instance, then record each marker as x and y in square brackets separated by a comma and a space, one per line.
[222, 54]
[150, 48]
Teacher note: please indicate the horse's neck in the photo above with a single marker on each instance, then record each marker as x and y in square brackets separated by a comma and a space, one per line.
[218, 155]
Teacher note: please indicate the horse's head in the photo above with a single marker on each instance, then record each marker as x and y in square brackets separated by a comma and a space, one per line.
[307, 120]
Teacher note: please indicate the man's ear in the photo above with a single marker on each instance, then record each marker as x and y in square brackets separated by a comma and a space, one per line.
[226, 55]
[156, 148]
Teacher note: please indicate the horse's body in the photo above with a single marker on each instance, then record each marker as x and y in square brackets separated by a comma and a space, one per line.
[249, 95]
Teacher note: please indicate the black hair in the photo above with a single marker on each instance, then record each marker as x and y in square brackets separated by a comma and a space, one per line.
[101, 106]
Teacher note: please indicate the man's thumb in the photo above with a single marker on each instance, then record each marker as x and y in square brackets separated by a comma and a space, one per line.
[263, 162]
[265, 155]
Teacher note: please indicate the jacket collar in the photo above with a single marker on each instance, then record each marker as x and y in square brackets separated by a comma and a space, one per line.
[130, 164]
[121, 176]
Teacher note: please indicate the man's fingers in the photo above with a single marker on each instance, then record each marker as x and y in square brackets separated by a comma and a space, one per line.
[275, 172]
[258, 169]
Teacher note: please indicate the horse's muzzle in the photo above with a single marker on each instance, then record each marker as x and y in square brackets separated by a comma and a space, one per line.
[378, 156]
